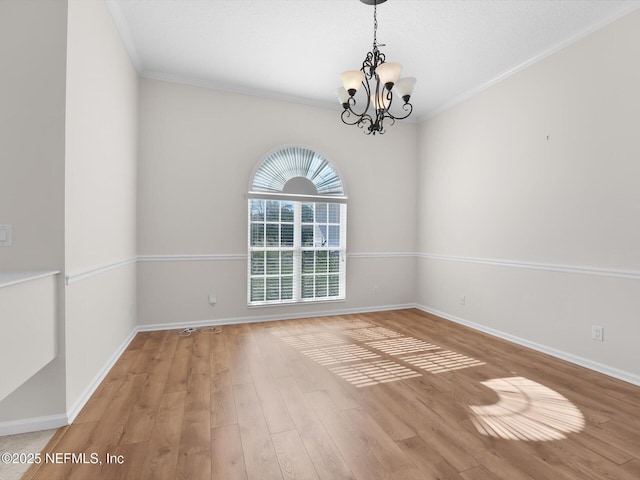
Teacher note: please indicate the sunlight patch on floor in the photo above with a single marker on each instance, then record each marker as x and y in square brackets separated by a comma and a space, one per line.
[441, 361]
[335, 347]
[293, 330]
[313, 340]
[526, 410]
[401, 346]
[375, 333]
[348, 324]
[372, 373]
[340, 354]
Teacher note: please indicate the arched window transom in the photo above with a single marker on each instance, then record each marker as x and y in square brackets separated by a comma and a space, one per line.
[292, 167]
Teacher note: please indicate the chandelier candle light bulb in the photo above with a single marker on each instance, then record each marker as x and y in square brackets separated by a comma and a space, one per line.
[380, 80]
[381, 101]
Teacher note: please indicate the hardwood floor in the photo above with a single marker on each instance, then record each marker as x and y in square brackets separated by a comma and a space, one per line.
[389, 395]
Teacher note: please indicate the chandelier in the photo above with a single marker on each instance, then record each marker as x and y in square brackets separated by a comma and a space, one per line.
[381, 84]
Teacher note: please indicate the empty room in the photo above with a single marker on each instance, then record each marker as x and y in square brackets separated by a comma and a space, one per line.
[328, 239]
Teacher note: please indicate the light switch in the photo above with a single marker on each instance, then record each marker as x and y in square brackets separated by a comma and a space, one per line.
[5, 235]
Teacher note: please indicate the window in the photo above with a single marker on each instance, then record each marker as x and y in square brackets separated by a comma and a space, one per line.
[297, 230]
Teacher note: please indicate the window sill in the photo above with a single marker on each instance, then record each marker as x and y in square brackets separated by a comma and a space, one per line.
[296, 304]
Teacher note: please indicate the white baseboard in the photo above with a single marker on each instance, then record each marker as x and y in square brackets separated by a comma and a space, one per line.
[84, 397]
[36, 424]
[269, 318]
[569, 357]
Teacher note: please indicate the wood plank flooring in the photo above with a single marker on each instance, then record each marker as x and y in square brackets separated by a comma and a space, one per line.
[388, 395]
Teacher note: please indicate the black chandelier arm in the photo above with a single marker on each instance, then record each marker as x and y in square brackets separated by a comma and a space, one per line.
[346, 114]
[359, 120]
[407, 107]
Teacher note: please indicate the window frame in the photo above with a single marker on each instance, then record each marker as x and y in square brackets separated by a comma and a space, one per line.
[298, 294]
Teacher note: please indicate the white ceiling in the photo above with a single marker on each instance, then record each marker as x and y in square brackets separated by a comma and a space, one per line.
[296, 49]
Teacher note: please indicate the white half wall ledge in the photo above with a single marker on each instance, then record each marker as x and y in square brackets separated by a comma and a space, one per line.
[560, 354]
[27, 304]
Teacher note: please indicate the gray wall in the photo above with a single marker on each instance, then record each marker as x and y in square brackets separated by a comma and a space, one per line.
[33, 38]
[530, 200]
[100, 192]
[68, 186]
[198, 148]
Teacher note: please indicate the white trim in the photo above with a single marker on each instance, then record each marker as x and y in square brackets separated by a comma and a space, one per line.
[294, 303]
[205, 257]
[8, 279]
[75, 277]
[562, 355]
[244, 256]
[381, 255]
[84, 397]
[35, 424]
[577, 270]
[269, 318]
[296, 197]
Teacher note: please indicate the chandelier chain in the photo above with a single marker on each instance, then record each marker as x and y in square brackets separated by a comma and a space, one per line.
[375, 24]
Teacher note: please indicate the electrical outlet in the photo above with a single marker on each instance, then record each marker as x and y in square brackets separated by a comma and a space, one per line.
[597, 333]
[6, 235]
[375, 290]
[213, 298]
[463, 300]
